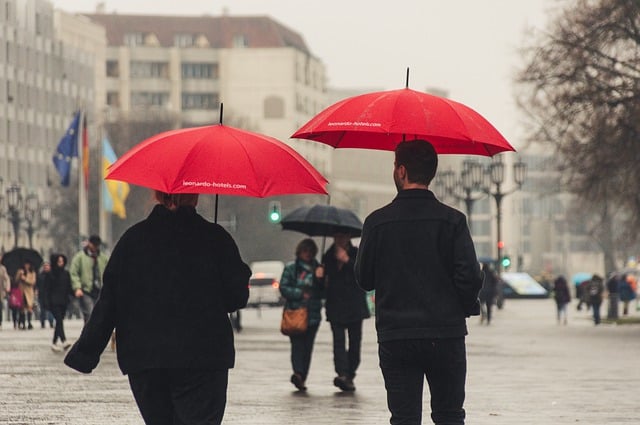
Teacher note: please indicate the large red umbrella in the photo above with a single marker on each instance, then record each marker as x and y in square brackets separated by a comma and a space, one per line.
[217, 159]
[381, 120]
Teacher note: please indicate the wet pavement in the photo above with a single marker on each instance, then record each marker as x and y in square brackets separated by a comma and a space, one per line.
[522, 369]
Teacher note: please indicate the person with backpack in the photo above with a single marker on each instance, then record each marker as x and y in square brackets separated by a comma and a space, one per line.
[595, 290]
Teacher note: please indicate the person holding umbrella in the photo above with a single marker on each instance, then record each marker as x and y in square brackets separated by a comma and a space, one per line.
[26, 280]
[346, 307]
[418, 255]
[168, 287]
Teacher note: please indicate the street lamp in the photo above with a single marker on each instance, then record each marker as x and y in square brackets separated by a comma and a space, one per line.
[14, 205]
[471, 182]
[496, 176]
[30, 210]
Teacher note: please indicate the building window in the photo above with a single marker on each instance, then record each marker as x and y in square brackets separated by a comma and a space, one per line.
[183, 40]
[144, 99]
[199, 71]
[274, 107]
[133, 39]
[149, 69]
[240, 40]
[112, 69]
[113, 99]
[199, 101]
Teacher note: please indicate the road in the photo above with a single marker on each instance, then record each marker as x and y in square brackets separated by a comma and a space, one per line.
[522, 369]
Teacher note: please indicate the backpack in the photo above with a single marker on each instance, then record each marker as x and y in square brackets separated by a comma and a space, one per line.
[15, 298]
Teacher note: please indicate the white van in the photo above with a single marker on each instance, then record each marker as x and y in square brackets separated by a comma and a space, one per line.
[264, 284]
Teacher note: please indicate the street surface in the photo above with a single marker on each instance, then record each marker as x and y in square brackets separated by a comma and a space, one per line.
[522, 369]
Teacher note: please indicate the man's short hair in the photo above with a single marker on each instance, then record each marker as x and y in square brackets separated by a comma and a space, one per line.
[95, 240]
[419, 159]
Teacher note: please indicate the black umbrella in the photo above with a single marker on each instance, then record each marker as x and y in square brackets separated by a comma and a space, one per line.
[322, 220]
[15, 259]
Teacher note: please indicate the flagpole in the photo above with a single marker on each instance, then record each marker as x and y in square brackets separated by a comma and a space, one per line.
[105, 216]
[83, 202]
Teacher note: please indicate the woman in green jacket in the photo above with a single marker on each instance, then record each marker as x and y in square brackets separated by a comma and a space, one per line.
[302, 285]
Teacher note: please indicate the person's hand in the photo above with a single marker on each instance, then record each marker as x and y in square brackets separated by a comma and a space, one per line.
[319, 272]
[79, 293]
[341, 255]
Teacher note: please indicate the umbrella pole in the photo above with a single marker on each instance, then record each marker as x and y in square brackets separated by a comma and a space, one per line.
[406, 84]
[215, 210]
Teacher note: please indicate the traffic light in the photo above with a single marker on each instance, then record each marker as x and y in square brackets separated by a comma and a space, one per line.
[505, 261]
[274, 212]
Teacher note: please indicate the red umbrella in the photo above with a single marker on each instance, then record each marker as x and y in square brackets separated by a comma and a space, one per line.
[217, 159]
[381, 120]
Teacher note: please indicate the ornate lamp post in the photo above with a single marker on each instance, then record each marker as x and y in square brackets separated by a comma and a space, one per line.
[16, 209]
[496, 176]
[14, 205]
[463, 189]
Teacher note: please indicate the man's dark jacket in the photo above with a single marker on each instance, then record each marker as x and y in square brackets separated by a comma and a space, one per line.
[169, 285]
[418, 255]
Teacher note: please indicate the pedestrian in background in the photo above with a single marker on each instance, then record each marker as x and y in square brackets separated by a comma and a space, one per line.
[613, 288]
[418, 255]
[86, 269]
[627, 291]
[346, 307]
[56, 293]
[595, 289]
[26, 280]
[301, 285]
[488, 293]
[43, 307]
[169, 286]
[5, 287]
[562, 297]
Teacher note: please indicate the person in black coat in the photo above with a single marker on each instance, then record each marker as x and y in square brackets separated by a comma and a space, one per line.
[169, 285]
[346, 308]
[57, 290]
[418, 255]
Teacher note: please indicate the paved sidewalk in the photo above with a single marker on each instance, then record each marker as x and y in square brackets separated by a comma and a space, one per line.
[523, 369]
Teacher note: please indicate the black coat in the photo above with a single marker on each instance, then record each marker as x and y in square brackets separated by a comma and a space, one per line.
[56, 287]
[169, 285]
[418, 255]
[346, 301]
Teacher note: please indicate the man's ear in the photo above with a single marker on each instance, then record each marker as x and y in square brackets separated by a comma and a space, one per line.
[402, 172]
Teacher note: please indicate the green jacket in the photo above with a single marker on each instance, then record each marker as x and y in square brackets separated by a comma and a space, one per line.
[81, 270]
[298, 278]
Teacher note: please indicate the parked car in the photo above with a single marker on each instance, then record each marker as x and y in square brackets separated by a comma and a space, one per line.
[264, 283]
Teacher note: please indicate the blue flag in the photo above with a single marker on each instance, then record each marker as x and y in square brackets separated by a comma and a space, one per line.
[67, 149]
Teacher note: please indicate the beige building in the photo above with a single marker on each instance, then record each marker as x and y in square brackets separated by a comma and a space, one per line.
[262, 72]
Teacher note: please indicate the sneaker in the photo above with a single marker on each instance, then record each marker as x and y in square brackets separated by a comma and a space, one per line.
[56, 348]
[66, 345]
[296, 380]
[344, 383]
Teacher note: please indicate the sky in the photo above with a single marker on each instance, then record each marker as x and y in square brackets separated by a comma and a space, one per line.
[466, 47]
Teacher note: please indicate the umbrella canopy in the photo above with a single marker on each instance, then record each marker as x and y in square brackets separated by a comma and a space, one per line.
[580, 277]
[15, 259]
[322, 220]
[381, 120]
[217, 159]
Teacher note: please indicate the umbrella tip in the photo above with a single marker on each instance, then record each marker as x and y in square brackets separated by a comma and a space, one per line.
[406, 84]
[221, 109]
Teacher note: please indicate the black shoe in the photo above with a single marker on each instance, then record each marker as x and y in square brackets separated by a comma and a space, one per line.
[297, 380]
[30, 326]
[344, 383]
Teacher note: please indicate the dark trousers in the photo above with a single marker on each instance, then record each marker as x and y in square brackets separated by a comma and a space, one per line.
[58, 312]
[180, 396]
[346, 361]
[596, 312]
[405, 363]
[301, 350]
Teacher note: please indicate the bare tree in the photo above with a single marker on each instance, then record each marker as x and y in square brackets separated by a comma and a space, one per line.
[581, 89]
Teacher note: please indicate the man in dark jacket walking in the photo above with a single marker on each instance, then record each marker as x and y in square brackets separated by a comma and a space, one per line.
[346, 307]
[169, 285]
[418, 255]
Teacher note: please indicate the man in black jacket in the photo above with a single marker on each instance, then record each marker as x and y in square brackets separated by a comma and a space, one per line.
[418, 255]
[169, 285]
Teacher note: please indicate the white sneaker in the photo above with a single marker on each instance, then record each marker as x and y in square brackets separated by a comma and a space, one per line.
[56, 348]
[66, 345]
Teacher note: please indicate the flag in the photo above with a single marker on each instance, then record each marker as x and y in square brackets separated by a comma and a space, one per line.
[114, 192]
[85, 153]
[67, 149]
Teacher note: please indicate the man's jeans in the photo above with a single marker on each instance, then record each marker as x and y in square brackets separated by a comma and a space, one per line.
[346, 360]
[405, 363]
[85, 304]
